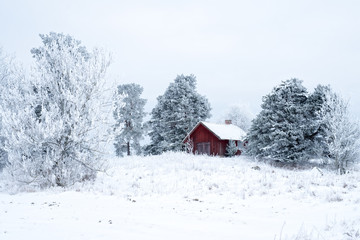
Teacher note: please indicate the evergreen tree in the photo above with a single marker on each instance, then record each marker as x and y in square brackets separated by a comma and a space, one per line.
[176, 113]
[317, 127]
[278, 131]
[129, 114]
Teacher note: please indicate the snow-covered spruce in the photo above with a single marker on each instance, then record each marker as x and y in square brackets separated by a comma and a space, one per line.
[278, 130]
[54, 125]
[176, 113]
[128, 113]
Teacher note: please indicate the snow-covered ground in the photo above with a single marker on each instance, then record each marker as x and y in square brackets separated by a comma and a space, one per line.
[180, 196]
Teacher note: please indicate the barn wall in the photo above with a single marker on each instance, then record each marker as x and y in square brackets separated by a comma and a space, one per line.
[217, 147]
[202, 134]
[224, 143]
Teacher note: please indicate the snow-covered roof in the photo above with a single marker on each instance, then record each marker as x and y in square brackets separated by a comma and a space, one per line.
[224, 131]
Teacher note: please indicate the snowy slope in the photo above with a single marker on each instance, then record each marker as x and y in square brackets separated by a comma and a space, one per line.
[180, 196]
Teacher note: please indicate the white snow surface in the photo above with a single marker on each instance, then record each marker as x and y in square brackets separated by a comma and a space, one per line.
[226, 131]
[181, 196]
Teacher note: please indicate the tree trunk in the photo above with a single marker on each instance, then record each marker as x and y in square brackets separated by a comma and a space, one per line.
[128, 148]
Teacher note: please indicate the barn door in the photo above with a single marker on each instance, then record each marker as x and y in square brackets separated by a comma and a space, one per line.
[221, 152]
[207, 148]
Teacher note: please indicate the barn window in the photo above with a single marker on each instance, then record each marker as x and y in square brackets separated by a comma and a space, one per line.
[203, 148]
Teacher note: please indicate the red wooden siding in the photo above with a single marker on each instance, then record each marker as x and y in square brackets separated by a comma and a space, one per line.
[201, 135]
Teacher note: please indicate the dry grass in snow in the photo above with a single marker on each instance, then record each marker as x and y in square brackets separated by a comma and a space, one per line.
[181, 196]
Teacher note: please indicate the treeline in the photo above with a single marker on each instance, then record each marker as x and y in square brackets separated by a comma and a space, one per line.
[177, 111]
[54, 126]
[296, 126]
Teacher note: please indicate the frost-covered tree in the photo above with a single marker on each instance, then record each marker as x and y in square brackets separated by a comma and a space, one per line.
[128, 114]
[189, 145]
[342, 134]
[278, 132]
[6, 72]
[239, 116]
[54, 125]
[294, 126]
[231, 148]
[333, 135]
[176, 113]
[317, 128]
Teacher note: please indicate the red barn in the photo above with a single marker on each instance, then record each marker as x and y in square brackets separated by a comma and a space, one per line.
[212, 139]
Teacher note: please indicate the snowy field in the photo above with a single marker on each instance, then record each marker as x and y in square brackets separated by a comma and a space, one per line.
[179, 196]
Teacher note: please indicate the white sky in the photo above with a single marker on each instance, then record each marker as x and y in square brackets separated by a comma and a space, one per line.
[239, 50]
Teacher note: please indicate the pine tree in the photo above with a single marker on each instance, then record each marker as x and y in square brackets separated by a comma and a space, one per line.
[317, 127]
[129, 114]
[278, 131]
[54, 121]
[176, 113]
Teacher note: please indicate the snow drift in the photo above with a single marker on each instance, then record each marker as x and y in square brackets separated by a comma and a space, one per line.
[181, 196]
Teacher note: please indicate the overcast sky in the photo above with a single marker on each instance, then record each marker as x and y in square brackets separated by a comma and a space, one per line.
[238, 50]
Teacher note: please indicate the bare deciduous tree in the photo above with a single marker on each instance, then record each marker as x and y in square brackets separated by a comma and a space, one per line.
[52, 121]
[343, 134]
